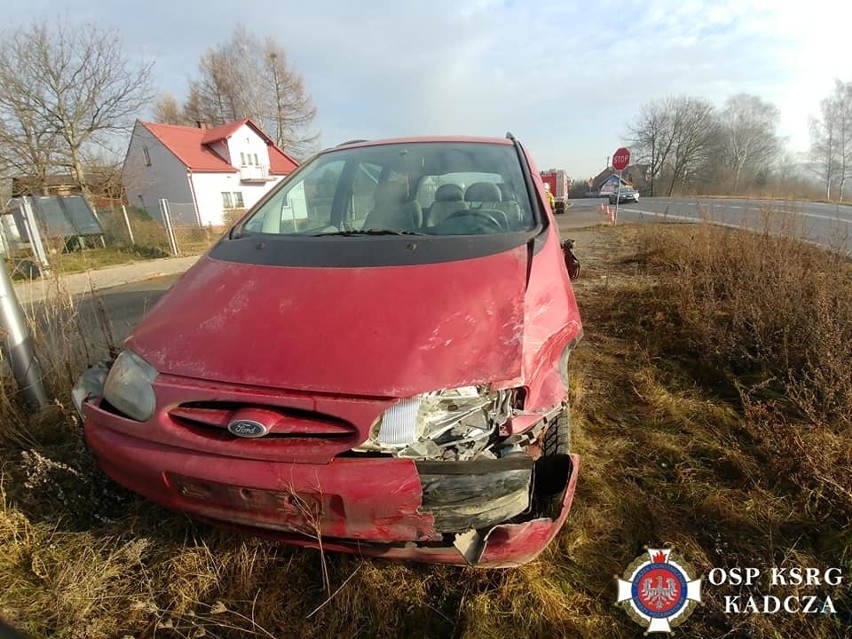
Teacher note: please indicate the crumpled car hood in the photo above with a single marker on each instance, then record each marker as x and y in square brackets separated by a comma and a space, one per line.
[381, 331]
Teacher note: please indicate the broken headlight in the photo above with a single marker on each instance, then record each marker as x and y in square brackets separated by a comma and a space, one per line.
[128, 386]
[448, 424]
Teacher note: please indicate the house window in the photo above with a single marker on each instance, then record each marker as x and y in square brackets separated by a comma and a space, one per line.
[226, 200]
[242, 159]
[255, 160]
[249, 159]
[146, 155]
[238, 200]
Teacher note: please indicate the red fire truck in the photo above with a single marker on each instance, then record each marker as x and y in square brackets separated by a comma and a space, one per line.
[559, 184]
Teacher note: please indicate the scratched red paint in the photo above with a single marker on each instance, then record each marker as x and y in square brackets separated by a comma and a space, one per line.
[339, 346]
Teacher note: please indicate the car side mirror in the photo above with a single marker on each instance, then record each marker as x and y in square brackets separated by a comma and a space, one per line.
[571, 261]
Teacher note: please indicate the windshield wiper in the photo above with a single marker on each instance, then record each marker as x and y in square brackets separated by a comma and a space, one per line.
[364, 232]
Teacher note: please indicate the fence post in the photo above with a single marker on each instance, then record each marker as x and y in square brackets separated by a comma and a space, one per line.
[127, 222]
[167, 219]
[31, 225]
[18, 345]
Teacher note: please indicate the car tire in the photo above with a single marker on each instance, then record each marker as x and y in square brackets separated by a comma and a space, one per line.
[554, 465]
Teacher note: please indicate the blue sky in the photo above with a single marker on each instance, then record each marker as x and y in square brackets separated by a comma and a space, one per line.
[565, 77]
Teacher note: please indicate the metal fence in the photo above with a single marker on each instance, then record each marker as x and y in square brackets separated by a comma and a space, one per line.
[31, 245]
[170, 228]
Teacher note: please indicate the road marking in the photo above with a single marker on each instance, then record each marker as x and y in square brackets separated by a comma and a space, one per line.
[818, 216]
[682, 218]
[835, 218]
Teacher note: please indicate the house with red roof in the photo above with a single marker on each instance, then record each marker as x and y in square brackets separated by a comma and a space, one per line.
[209, 176]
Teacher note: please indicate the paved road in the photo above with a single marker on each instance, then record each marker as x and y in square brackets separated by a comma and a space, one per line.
[125, 305]
[826, 224]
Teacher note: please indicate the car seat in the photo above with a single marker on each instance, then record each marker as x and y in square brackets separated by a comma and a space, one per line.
[392, 212]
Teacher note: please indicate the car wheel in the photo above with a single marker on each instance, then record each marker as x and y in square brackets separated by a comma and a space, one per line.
[554, 465]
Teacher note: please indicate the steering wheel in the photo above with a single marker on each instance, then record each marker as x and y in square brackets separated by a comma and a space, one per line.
[482, 215]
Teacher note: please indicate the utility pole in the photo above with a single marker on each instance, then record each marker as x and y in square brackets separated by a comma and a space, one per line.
[17, 345]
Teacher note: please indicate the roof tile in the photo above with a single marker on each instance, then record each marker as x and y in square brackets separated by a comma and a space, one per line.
[190, 145]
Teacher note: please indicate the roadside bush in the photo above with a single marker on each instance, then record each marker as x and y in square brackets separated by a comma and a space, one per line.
[148, 252]
[766, 307]
[231, 216]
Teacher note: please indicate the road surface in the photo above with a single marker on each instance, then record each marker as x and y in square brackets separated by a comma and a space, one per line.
[827, 224]
[125, 305]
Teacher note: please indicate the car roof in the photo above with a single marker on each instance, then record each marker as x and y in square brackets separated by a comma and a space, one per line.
[422, 139]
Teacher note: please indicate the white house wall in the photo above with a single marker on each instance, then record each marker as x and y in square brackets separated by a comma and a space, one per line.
[246, 141]
[208, 194]
[166, 177]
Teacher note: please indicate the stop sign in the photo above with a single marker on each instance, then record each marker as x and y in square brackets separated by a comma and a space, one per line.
[620, 159]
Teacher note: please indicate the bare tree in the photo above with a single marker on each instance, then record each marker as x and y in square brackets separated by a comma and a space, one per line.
[243, 78]
[168, 110]
[292, 109]
[651, 139]
[824, 146]
[675, 136]
[64, 89]
[831, 140]
[748, 135]
[27, 150]
[842, 100]
[227, 86]
[694, 128]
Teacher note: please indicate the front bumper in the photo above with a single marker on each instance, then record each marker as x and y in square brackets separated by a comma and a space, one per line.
[448, 512]
[624, 198]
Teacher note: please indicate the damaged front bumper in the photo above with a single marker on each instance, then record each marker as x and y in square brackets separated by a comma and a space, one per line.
[483, 512]
[376, 506]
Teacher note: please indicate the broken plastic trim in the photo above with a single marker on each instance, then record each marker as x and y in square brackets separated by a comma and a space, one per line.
[458, 424]
[90, 384]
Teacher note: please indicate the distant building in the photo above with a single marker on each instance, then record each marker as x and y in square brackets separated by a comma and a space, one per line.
[220, 171]
[635, 175]
[104, 187]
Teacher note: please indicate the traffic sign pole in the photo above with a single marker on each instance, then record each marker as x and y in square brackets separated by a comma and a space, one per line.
[620, 161]
[617, 199]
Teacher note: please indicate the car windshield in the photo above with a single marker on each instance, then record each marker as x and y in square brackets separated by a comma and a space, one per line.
[422, 188]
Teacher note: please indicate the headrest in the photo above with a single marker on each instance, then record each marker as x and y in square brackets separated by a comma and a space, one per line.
[449, 193]
[505, 191]
[482, 192]
[390, 194]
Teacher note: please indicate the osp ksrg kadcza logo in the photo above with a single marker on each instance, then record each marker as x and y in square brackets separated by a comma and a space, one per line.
[659, 590]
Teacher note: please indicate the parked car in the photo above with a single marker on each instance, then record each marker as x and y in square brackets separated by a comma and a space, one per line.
[374, 356]
[626, 195]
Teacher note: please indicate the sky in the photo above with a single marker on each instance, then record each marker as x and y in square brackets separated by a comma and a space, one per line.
[567, 78]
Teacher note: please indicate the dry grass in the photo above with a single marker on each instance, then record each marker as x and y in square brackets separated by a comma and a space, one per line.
[771, 312]
[687, 437]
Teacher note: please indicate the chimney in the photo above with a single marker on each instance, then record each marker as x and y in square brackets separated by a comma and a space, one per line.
[201, 124]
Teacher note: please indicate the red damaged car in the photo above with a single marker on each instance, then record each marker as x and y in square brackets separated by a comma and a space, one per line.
[375, 355]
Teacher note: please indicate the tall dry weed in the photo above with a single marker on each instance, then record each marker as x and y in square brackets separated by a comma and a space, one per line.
[767, 307]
